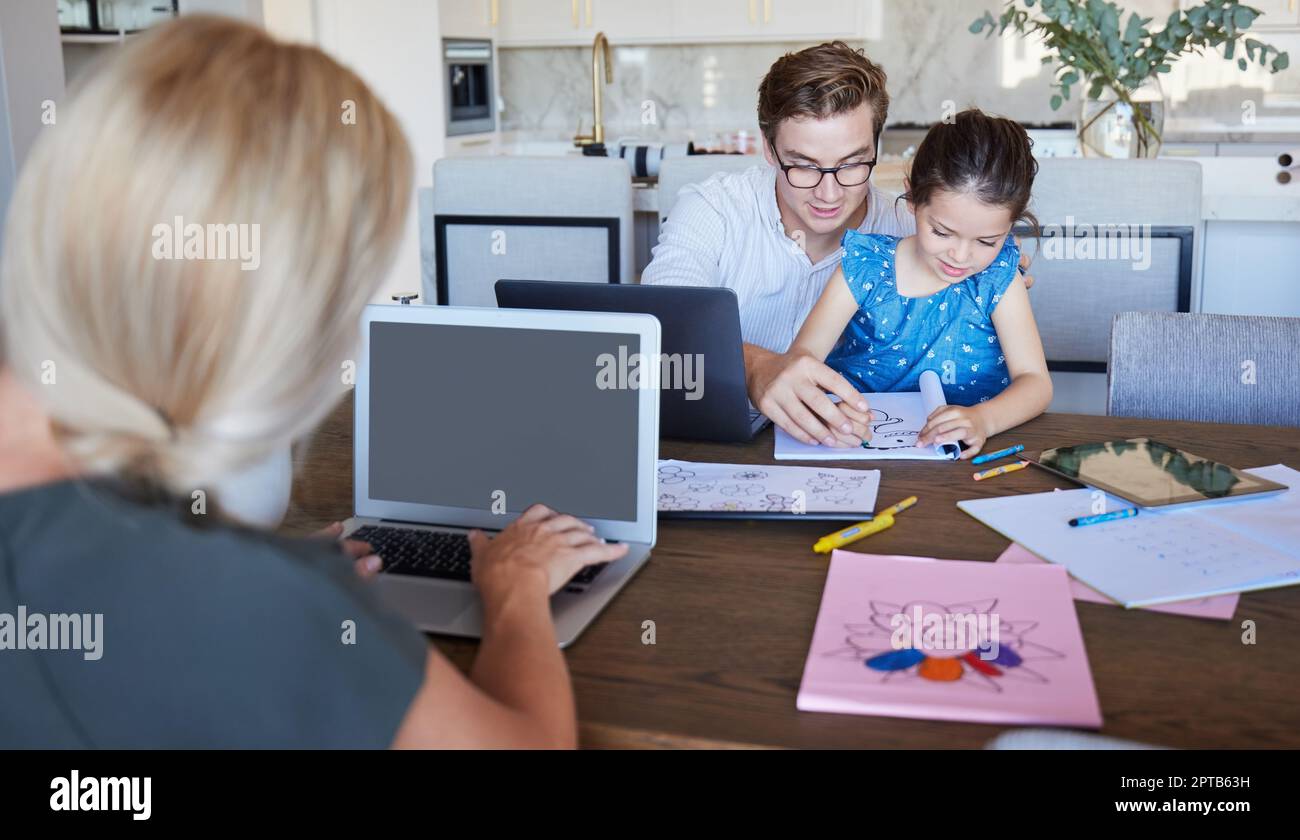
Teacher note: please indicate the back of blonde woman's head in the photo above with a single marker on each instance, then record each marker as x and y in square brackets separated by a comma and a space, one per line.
[161, 365]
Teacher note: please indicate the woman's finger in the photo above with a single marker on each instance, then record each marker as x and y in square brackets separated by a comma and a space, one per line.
[356, 548]
[536, 513]
[600, 552]
[577, 537]
[332, 531]
[368, 566]
[564, 522]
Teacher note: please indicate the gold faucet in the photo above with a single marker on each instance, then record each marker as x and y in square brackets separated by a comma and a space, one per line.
[597, 134]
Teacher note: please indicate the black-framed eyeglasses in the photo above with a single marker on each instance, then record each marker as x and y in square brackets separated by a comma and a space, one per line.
[805, 176]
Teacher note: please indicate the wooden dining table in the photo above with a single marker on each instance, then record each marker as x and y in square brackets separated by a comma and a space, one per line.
[734, 603]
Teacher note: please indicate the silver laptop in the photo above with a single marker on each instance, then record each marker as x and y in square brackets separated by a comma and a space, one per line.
[465, 417]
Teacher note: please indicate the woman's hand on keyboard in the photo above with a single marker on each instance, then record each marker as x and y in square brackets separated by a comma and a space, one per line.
[541, 548]
[364, 559]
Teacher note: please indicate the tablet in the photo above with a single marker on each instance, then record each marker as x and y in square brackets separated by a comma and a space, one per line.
[1152, 474]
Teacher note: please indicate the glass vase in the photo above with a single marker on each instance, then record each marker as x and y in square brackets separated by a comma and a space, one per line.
[1111, 127]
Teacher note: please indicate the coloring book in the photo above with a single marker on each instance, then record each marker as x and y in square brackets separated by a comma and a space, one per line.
[949, 640]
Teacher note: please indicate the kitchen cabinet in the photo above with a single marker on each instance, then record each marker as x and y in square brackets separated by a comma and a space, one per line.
[819, 20]
[469, 18]
[774, 20]
[1266, 150]
[1250, 268]
[1226, 150]
[1251, 240]
[531, 23]
[472, 145]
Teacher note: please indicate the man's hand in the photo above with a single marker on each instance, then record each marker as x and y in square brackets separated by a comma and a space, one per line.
[950, 423]
[790, 388]
[1025, 259]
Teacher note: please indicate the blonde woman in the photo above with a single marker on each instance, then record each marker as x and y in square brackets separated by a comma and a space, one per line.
[130, 377]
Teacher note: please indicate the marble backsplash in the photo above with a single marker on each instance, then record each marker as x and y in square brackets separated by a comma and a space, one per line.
[703, 92]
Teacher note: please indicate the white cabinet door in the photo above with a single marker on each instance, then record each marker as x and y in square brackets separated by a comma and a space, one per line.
[1250, 268]
[631, 21]
[811, 20]
[716, 20]
[576, 22]
[542, 22]
[467, 18]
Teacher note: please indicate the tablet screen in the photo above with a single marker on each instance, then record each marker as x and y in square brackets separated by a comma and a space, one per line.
[1150, 473]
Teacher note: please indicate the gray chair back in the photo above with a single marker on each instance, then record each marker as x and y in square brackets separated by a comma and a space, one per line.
[1117, 236]
[527, 218]
[1208, 368]
[675, 173]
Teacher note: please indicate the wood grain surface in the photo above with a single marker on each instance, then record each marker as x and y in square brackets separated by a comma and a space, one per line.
[734, 605]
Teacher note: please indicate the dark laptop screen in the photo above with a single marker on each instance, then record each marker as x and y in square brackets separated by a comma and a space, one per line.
[473, 417]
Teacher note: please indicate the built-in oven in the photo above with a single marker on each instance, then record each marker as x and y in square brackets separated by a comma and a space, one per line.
[467, 69]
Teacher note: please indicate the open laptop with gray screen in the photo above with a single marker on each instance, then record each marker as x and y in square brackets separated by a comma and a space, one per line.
[707, 399]
[465, 417]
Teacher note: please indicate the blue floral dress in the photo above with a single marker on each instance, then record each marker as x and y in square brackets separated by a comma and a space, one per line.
[893, 338]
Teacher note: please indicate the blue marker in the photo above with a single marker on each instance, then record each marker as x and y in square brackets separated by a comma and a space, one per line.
[993, 456]
[1126, 513]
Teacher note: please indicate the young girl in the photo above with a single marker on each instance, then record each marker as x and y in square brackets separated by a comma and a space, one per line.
[950, 298]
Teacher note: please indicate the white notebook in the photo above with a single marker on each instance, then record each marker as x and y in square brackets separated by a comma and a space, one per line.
[1160, 556]
[896, 420]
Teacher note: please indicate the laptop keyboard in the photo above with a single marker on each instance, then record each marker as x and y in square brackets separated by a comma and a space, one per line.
[435, 554]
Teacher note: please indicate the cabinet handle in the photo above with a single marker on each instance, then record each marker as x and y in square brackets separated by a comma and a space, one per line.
[767, 11]
[575, 14]
[753, 11]
[483, 141]
[496, 12]
[588, 14]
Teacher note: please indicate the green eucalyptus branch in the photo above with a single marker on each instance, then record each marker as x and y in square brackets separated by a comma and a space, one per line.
[1088, 44]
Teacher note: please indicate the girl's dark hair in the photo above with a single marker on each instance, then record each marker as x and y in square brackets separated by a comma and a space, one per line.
[988, 157]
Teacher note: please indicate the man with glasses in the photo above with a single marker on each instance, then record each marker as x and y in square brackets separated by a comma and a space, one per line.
[772, 233]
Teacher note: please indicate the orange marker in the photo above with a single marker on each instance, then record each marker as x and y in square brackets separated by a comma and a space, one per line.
[1018, 465]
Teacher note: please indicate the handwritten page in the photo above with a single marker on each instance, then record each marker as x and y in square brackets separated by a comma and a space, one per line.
[728, 488]
[1020, 658]
[896, 420]
[1221, 607]
[1159, 556]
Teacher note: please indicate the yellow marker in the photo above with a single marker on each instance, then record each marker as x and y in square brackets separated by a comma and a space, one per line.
[1018, 465]
[898, 508]
[853, 533]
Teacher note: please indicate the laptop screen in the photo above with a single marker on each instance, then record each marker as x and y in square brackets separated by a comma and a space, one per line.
[497, 419]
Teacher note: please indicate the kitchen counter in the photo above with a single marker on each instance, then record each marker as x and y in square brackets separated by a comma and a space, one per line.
[1233, 189]
[1263, 130]
[1246, 190]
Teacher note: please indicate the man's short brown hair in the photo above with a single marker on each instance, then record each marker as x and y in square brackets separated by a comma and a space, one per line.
[821, 82]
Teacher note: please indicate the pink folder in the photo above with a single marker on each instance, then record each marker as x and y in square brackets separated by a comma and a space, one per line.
[949, 640]
[1218, 606]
